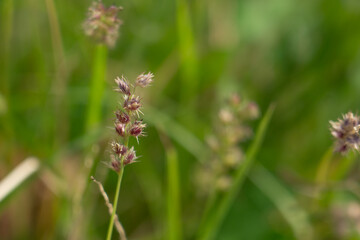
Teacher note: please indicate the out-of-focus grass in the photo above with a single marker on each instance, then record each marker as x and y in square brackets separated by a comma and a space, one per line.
[302, 55]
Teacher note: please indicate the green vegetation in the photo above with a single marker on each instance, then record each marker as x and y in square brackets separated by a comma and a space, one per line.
[57, 111]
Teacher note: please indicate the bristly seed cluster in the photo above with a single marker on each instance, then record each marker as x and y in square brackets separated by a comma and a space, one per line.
[230, 130]
[102, 24]
[127, 123]
[346, 133]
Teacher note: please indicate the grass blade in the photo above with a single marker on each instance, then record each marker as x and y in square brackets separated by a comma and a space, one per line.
[214, 221]
[97, 87]
[187, 51]
[173, 192]
[284, 201]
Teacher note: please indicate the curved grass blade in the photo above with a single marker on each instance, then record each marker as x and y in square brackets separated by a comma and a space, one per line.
[284, 201]
[215, 220]
[173, 191]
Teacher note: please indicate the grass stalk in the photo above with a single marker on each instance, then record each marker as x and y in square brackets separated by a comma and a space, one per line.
[324, 166]
[285, 202]
[173, 192]
[97, 87]
[59, 86]
[95, 100]
[187, 52]
[6, 17]
[214, 221]
[6, 25]
[117, 193]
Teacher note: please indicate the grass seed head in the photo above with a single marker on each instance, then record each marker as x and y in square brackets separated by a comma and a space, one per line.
[346, 133]
[102, 23]
[144, 80]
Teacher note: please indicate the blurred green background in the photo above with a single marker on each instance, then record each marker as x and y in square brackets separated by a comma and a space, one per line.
[302, 55]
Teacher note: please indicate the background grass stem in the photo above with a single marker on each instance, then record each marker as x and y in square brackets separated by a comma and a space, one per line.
[173, 192]
[97, 87]
[214, 221]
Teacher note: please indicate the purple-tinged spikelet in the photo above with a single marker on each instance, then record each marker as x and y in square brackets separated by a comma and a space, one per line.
[123, 86]
[137, 129]
[118, 149]
[132, 104]
[346, 133]
[122, 117]
[120, 129]
[130, 156]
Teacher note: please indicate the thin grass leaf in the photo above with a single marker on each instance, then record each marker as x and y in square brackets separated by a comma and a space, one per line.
[187, 51]
[59, 86]
[173, 192]
[215, 220]
[97, 87]
[284, 201]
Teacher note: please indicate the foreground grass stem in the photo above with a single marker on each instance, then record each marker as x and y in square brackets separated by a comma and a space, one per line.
[116, 198]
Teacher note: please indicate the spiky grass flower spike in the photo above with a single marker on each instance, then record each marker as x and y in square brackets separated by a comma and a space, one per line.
[127, 124]
[346, 133]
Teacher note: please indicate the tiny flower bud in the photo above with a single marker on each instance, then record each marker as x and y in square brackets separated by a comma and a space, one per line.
[132, 103]
[120, 129]
[118, 149]
[223, 183]
[213, 143]
[115, 165]
[251, 111]
[143, 80]
[235, 100]
[130, 157]
[137, 129]
[123, 86]
[122, 117]
[233, 157]
[226, 116]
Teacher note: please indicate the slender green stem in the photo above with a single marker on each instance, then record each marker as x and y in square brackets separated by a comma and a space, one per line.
[187, 52]
[60, 81]
[173, 195]
[6, 28]
[214, 221]
[117, 193]
[323, 169]
[97, 87]
[285, 201]
[344, 166]
[111, 224]
[95, 99]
